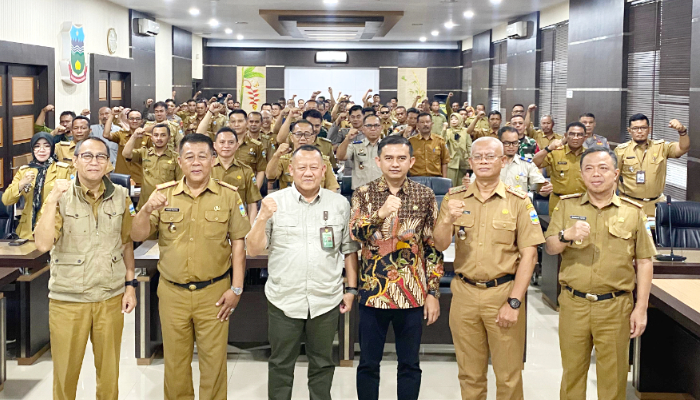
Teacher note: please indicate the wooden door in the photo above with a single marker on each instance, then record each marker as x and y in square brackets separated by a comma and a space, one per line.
[102, 91]
[118, 88]
[3, 126]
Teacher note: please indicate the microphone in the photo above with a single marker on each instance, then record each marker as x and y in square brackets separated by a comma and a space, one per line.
[670, 257]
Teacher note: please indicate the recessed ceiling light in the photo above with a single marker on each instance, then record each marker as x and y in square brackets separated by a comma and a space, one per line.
[495, 1]
[450, 24]
[469, 14]
[330, 1]
[423, 39]
[239, 37]
[228, 31]
[213, 23]
[194, 11]
[435, 33]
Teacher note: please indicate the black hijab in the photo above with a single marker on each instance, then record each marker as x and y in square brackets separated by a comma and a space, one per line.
[41, 168]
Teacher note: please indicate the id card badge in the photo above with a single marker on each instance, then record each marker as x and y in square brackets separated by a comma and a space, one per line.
[327, 238]
[641, 177]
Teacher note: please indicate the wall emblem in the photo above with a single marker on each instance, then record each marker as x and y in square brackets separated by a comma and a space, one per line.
[72, 64]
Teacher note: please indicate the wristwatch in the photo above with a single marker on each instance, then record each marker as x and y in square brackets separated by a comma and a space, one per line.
[351, 290]
[134, 283]
[434, 293]
[561, 238]
[514, 303]
[237, 290]
[547, 149]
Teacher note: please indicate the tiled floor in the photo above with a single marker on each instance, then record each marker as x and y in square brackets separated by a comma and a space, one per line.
[247, 371]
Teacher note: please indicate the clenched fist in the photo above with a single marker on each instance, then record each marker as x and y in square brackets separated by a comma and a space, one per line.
[455, 208]
[48, 108]
[267, 208]
[391, 205]
[157, 201]
[676, 124]
[555, 145]
[59, 187]
[283, 148]
[531, 107]
[578, 232]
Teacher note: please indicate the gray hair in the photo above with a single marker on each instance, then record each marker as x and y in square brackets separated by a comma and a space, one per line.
[598, 149]
[91, 139]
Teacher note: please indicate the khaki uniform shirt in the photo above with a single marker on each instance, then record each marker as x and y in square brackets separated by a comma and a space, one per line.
[175, 135]
[481, 129]
[564, 169]
[191, 123]
[156, 169]
[326, 147]
[542, 140]
[194, 232]
[438, 122]
[649, 159]
[215, 124]
[491, 232]
[123, 167]
[602, 262]
[430, 155]
[522, 174]
[239, 175]
[460, 149]
[285, 178]
[363, 153]
[252, 153]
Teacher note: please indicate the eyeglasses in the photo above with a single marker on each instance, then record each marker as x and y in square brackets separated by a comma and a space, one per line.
[484, 157]
[303, 135]
[372, 126]
[639, 129]
[88, 157]
[384, 112]
[511, 144]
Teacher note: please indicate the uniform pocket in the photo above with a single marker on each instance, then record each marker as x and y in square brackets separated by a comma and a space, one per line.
[286, 229]
[68, 273]
[171, 225]
[504, 231]
[465, 223]
[216, 226]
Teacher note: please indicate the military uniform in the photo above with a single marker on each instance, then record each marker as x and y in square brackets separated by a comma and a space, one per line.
[459, 145]
[522, 174]
[11, 195]
[285, 178]
[239, 175]
[600, 264]
[363, 153]
[489, 235]
[564, 170]
[156, 169]
[542, 140]
[193, 236]
[430, 155]
[86, 285]
[643, 171]
[123, 167]
[596, 140]
[528, 147]
[252, 153]
[481, 129]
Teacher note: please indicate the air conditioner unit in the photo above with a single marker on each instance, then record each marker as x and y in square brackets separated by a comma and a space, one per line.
[517, 30]
[148, 27]
[326, 57]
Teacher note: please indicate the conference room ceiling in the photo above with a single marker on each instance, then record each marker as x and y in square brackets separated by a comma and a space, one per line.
[243, 19]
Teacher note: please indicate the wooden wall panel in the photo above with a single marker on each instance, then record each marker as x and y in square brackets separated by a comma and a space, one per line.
[102, 90]
[22, 129]
[20, 160]
[116, 87]
[22, 90]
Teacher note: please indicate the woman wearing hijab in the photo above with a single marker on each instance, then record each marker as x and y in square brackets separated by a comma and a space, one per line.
[34, 182]
[459, 144]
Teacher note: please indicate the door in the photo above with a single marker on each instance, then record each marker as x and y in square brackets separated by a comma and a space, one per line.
[102, 91]
[3, 125]
[118, 89]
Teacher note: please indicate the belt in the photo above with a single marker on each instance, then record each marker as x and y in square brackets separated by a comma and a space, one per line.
[596, 297]
[489, 284]
[192, 286]
[637, 198]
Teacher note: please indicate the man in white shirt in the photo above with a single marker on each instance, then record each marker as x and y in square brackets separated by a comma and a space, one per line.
[98, 130]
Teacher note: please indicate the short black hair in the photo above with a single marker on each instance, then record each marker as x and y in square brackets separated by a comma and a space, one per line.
[321, 98]
[80, 117]
[163, 126]
[518, 105]
[255, 113]
[494, 112]
[276, 104]
[367, 110]
[369, 116]
[397, 107]
[588, 115]
[412, 110]
[312, 114]
[191, 101]
[517, 116]
[71, 113]
[90, 138]
[425, 114]
[169, 101]
[482, 105]
[504, 130]
[354, 108]
[202, 101]
[638, 117]
[307, 147]
[462, 109]
[282, 99]
[394, 98]
[222, 130]
[301, 121]
[130, 111]
[266, 104]
[194, 138]
[387, 107]
[160, 104]
[599, 149]
[239, 111]
[392, 140]
[575, 124]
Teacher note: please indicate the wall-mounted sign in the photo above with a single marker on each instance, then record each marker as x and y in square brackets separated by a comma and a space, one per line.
[72, 64]
[112, 41]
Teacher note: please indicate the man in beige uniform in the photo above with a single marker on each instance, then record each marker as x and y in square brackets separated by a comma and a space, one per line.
[160, 111]
[363, 152]
[86, 224]
[600, 238]
[201, 224]
[121, 137]
[429, 149]
[545, 135]
[80, 128]
[643, 162]
[497, 232]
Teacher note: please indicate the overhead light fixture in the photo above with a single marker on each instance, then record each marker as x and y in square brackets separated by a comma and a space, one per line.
[469, 14]
[495, 2]
[330, 1]
[228, 31]
[423, 39]
[435, 33]
[239, 37]
[194, 11]
[213, 23]
[450, 24]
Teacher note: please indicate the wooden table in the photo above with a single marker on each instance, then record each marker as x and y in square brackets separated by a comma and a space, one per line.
[28, 296]
[7, 275]
[248, 324]
[666, 361]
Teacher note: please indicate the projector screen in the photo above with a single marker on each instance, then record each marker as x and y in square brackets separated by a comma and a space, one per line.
[352, 81]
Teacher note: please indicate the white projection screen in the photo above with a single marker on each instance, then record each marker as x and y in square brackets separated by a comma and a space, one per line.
[353, 81]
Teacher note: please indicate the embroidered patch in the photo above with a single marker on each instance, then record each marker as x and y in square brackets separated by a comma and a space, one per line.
[132, 211]
[241, 208]
[255, 180]
[534, 218]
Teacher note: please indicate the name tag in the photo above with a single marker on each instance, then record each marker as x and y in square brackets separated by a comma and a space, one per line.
[172, 209]
[641, 177]
[578, 217]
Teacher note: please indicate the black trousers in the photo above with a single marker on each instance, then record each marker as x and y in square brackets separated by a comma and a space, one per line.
[408, 327]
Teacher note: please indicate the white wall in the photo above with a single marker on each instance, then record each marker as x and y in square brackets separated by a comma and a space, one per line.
[555, 14]
[38, 22]
[164, 62]
[197, 57]
[468, 43]
[499, 32]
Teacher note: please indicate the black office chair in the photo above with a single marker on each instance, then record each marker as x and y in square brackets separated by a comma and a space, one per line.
[121, 179]
[346, 187]
[685, 222]
[541, 204]
[6, 220]
[439, 185]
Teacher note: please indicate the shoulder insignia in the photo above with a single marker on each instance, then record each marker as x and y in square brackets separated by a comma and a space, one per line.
[254, 141]
[357, 142]
[289, 156]
[658, 141]
[623, 145]
[23, 167]
[516, 192]
[526, 159]
[166, 185]
[326, 158]
[64, 143]
[226, 185]
[457, 189]
[570, 196]
[632, 202]
[324, 139]
[62, 164]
